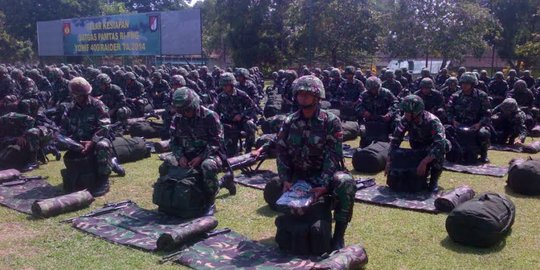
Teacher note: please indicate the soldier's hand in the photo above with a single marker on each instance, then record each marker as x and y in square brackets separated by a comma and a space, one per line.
[87, 146]
[286, 186]
[256, 153]
[195, 162]
[183, 162]
[21, 141]
[237, 118]
[421, 169]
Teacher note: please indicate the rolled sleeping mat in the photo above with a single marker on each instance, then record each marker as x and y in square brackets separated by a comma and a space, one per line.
[162, 146]
[9, 174]
[186, 232]
[452, 199]
[349, 257]
[62, 204]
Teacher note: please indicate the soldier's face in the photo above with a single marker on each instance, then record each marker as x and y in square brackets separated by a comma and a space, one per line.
[80, 99]
[410, 117]
[466, 87]
[425, 90]
[305, 99]
[349, 76]
[185, 112]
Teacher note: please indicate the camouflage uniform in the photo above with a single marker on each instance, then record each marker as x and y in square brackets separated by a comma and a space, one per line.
[159, 90]
[250, 89]
[392, 84]
[81, 124]
[60, 91]
[115, 100]
[7, 85]
[497, 90]
[525, 100]
[509, 122]
[349, 95]
[20, 125]
[433, 101]
[230, 105]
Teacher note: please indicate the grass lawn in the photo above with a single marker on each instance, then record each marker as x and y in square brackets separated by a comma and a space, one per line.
[394, 239]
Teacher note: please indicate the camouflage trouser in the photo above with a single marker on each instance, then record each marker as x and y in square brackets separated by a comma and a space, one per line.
[232, 137]
[122, 115]
[33, 140]
[343, 190]
[103, 152]
[210, 167]
[505, 132]
[484, 136]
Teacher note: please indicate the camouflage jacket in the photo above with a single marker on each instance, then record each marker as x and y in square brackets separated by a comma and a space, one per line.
[310, 149]
[208, 82]
[393, 85]
[81, 123]
[350, 91]
[332, 89]
[249, 88]
[113, 97]
[441, 79]
[15, 124]
[469, 109]
[7, 86]
[43, 84]
[514, 121]
[381, 104]
[524, 98]
[60, 91]
[447, 92]
[160, 87]
[498, 88]
[428, 134]
[433, 101]
[134, 90]
[201, 135]
[238, 102]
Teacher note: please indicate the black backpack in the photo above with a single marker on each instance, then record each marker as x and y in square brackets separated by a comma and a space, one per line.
[465, 147]
[80, 172]
[524, 177]
[351, 130]
[371, 159]
[481, 222]
[147, 130]
[402, 172]
[375, 131]
[130, 149]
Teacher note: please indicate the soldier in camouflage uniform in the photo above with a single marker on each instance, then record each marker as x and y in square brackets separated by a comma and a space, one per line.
[509, 123]
[82, 122]
[246, 85]
[528, 79]
[20, 129]
[60, 91]
[426, 132]
[310, 148]
[160, 89]
[423, 74]
[470, 107]
[8, 87]
[512, 78]
[208, 80]
[196, 140]
[42, 83]
[194, 76]
[114, 99]
[497, 89]
[451, 87]
[525, 100]
[134, 92]
[391, 83]
[286, 92]
[433, 100]
[441, 78]
[377, 104]
[349, 92]
[333, 85]
[484, 77]
[401, 79]
[237, 112]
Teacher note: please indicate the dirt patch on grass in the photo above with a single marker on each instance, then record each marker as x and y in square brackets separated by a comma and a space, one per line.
[15, 240]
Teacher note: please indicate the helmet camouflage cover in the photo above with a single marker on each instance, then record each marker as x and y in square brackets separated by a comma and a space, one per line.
[185, 98]
[309, 83]
[412, 104]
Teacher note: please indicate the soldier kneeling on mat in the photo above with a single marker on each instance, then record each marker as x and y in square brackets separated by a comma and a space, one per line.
[426, 132]
[509, 123]
[309, 147]
[82, 122]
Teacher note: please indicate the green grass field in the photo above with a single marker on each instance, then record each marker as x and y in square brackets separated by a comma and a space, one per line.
[394, 239]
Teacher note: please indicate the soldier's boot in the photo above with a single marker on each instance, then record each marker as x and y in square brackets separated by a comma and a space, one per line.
[433, 185]
[102, 186]
[33, 162]
[56, 153]
[227, 181]
[117, 168]
[484, 156]
[338, 239]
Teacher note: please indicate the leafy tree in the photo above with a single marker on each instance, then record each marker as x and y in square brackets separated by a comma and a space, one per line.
[12, 49]
[153, 5]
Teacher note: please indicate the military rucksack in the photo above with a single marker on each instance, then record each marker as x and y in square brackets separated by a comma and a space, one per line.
[481, 222]
[524, 177]
[371, 159]
[80, 172]
[147, 130]
[180, 193]
[351, 130]
[465, 147]
[375, 131]
[130, 149]
[402, 172]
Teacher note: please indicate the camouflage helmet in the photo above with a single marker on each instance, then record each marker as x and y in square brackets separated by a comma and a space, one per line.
[56, 73]
[178, 80]
[291, 75]
[275, 75]
[79, 86]
[426, 83]
[157, 75]
[483, 72]
[425, 72]
[309, 83]
[227, 78]
[194, 73]
[241, 72]
[412, 104]
[182, 71]
[28, 106]
[103, 79]
[509, 105]
[451, 80]
[527, 73]
[326, 73]
[468, 77]
[185, 98]
[130, 76]
[398, 72]
[520, 85]
[335, 72]
[462, 70]
[3, 70]
[16, 73]
[389, 74]
[499, 75]
[349, 70]
[512, 72]
[373, 83]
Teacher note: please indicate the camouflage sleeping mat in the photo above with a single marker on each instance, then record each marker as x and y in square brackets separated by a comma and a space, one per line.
[125, 223]
[531, 148]
[256, 179]
[234, 251]
[384, 196]
[19, 195]
[482, 169]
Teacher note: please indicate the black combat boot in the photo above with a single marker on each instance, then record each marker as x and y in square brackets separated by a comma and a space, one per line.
[433, 185]
[56, 153]
[483, 156]
[102, 186]
[338, 241]
[227, 181]
[117, 168]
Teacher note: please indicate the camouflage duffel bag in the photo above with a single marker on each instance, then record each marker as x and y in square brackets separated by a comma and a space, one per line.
[62, 204]
[80, 172]
[147, 130]
[371, 159]
[309, 234]
[481, 222]
[179, 193]
[524, 177]
[402, 172]
[130, 149]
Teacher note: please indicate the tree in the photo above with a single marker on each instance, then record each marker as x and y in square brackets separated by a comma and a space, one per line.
[12, 49]
[153, 5]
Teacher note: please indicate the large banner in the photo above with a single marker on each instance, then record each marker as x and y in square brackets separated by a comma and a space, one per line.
[134, 34]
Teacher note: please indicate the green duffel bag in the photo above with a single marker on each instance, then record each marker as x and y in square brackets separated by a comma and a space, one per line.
[147, 130]
[481, 222]
[524, 177]
[130, 149]
[372, 158]
[179, 193]
[351, 130]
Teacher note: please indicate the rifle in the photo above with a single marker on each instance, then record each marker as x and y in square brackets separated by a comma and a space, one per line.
[21, 180]
[174, 255]
[107, 208]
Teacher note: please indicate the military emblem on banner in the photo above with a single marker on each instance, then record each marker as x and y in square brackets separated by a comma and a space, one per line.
[67, 28]
[153, 21]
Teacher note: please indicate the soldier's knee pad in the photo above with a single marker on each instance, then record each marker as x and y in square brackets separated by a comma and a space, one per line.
[209, 165]
[344, 181]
